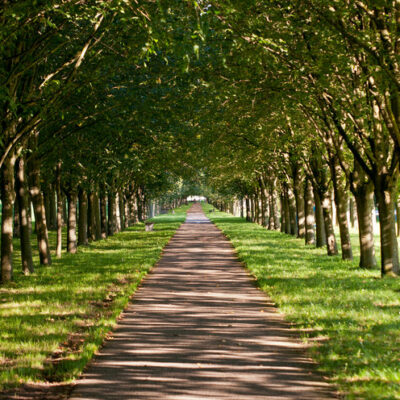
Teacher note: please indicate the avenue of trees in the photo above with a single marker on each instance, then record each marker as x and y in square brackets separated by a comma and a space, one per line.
[285, 106]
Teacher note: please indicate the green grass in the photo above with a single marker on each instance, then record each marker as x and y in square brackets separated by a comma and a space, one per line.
[52, 322]
[350, 317]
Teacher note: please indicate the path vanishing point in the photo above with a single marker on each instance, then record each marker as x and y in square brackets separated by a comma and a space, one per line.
[198, 328]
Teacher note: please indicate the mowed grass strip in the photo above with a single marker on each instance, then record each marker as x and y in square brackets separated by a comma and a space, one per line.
[53, 321]
[349, 316]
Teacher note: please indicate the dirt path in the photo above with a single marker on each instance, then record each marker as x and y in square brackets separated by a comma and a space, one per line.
[199, 329]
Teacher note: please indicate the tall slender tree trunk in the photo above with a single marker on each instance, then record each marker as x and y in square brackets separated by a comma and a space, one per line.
[274, 210]
[341, 201]
[283, 213]
[364, 198]
[38, 207]
[111, 213]
[91, 218]
[53, 208]
[83, 218]
[309, 213]
[71, 223]
[248, 213]
[352, 212]
[16, 230]
[46, 200]
[299, 198]
[121, 222]
[97, 217]
[319, 221]
[7, 220]
[24, 205]
[60, 206]
[103, 215]
[292, 212]
[398, 214]
[385, 196]
[331, 244]
[287, 212]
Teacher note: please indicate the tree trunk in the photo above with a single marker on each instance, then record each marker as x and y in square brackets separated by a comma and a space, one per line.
[398, 214]
[248, 214]
[46, 200]
[111, 214]
[385, 196]
[7, 220]
[309, 213]
[287, 212]
[292, 212]
[16, 230]
[53, 208]
[298, 194]
[91, 218]
[319, 222]
[40, 214]
[274, 210]
[352, 211]
[341, 201]
[103, 216]
[65, 211]
[283, 222]
[127, 216]
[120, 214]
[331, 245]
[24, 209]
[97, 217]
[364, 198]
[83, 218]
[71, 223]
[60, 206]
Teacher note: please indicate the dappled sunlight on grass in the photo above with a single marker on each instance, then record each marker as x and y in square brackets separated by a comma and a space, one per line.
[349, 315]
[53, 321]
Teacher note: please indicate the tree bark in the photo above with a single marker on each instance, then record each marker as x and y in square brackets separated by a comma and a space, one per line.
[385, 196]
[352, 211]
[298, 194]
[319, 221]
[283, 222]
[7, 221]
[60, 206]
[53, 208]
[341, 201]
[365, 201]
[309, 213]
[97, 217]
[398, 215]
[71, 223]
[111, 214]
[292, 212]
[24, 205]
[248, 214]
[91, 218]
[103, 216]
[331, 244]
[287, 212]
[16, 230]
[40, 214]
[83, 218]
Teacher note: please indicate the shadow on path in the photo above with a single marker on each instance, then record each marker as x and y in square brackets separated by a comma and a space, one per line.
[199, 329]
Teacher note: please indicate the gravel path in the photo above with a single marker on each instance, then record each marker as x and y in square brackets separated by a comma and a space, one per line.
[199, 329]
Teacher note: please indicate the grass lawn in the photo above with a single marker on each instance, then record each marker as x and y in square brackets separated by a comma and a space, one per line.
[52, 322]
[350, 317]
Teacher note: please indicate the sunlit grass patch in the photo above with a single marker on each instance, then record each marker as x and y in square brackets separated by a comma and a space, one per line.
[350, 316]
[53, 321]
